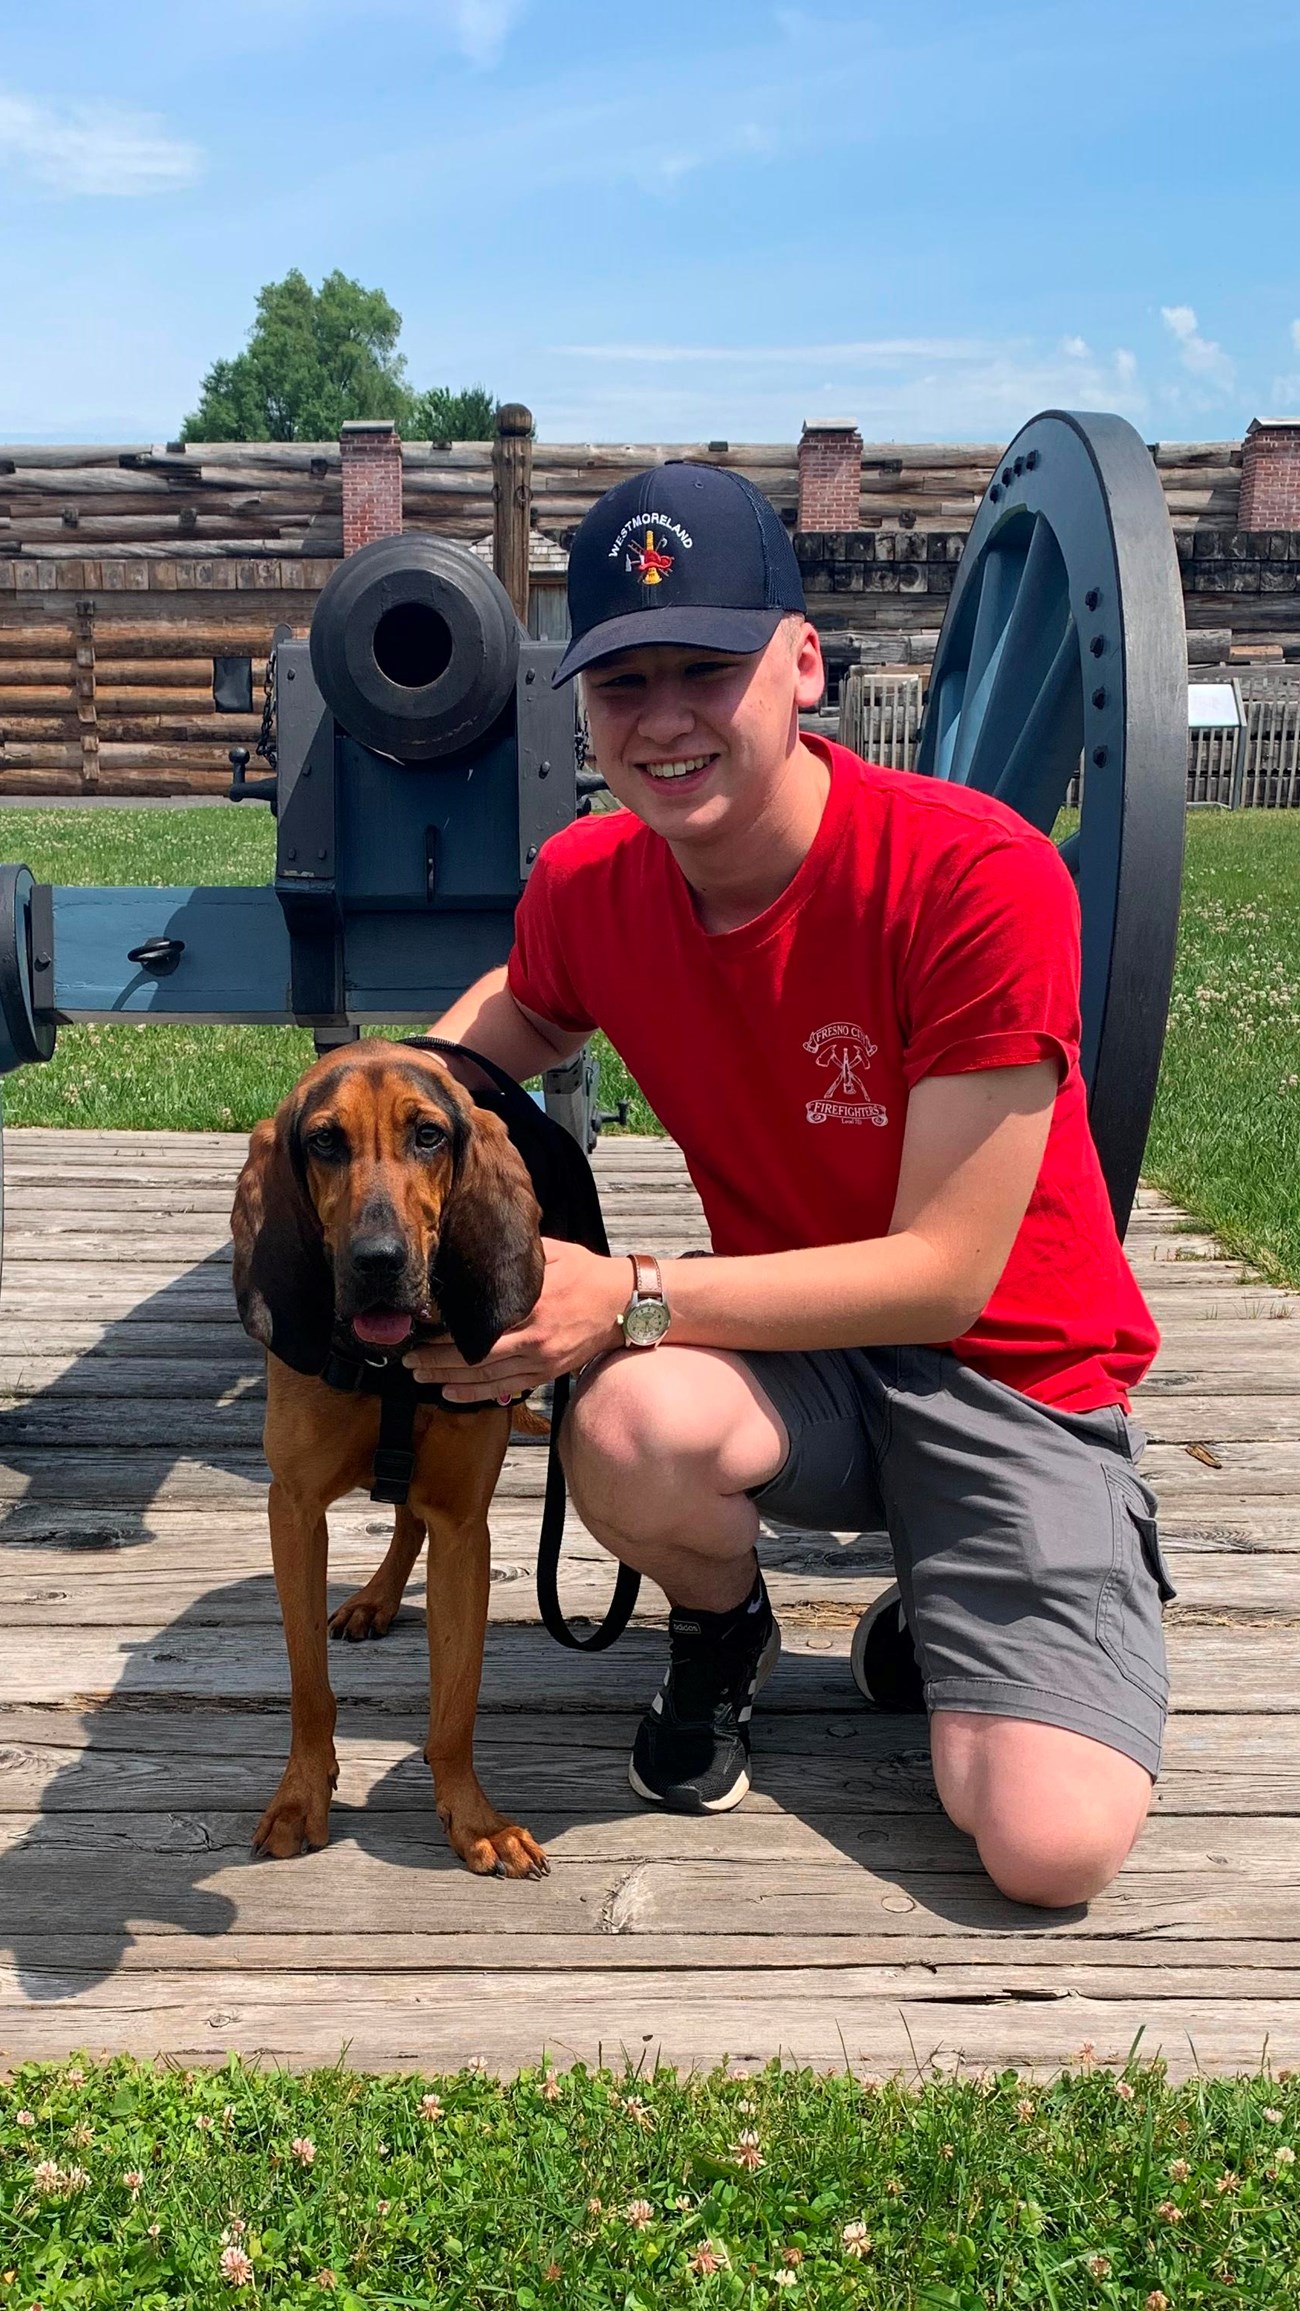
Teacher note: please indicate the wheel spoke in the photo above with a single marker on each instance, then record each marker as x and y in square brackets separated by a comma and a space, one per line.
[947, 719]
[1029, 644]
[1045, 756]
[998, 589]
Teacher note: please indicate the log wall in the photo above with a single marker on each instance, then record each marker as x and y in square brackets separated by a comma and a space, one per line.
[125, 569]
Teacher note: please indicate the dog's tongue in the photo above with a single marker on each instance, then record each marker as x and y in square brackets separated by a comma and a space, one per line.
[380, 1330]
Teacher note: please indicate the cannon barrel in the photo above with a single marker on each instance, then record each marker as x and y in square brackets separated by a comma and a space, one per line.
[415, 647]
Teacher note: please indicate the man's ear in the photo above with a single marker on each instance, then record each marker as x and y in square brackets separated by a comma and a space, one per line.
[284, 1288]
[488, 1267]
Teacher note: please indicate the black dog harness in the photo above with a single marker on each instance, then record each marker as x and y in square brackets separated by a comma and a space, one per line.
[399, 1392]
[565, 1189]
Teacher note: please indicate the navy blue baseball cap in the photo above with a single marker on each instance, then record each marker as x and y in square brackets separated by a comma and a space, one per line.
[683, 553]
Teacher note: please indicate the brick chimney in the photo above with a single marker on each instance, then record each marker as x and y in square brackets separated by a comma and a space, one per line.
[371, 455]
[1270, 475]
[830, 475]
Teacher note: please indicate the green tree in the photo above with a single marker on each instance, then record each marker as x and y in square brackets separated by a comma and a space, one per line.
[315, 357]
[441, 415]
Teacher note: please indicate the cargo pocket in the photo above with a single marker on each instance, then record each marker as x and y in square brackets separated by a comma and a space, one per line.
[1136, 1588]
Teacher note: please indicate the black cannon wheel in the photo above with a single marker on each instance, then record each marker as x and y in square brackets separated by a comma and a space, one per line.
[1064, 641]
[23, 1037]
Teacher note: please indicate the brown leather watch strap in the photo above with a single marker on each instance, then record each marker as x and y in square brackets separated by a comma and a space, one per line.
[647, 1282]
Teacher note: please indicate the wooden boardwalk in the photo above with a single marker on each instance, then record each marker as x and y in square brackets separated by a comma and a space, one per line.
[143, 1721]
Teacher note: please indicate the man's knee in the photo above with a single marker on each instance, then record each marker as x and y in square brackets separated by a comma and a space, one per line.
[630, 1409]
[1054, 1814]
[675, 1414]
[1054, 1865]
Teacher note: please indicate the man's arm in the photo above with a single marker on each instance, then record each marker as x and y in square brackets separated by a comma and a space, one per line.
[971, 1155]
[489, 1020]
[972, 1151]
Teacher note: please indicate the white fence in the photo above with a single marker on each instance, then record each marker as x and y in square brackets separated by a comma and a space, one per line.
[1254, 768]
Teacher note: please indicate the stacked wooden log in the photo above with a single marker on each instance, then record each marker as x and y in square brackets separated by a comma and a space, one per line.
[271, 499]
[121, 704]
[124, 570]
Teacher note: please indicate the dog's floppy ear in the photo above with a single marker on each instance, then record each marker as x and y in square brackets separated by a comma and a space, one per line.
[489, 1264]
[283, 1285]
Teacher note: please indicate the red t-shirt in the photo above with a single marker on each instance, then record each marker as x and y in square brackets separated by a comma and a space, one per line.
[929, 931]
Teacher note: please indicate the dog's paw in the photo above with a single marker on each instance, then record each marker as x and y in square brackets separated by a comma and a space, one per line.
[369, 1612]
[297, 1820]
[492, 1848]
[510, 1852]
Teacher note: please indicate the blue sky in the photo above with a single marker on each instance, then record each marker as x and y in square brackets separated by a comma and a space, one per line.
[701, 218]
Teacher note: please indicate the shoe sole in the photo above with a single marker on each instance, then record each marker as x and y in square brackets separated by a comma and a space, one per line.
[888, 1600]
[767, 1662]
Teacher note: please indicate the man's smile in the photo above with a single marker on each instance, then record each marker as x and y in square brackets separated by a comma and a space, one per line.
[679, 766]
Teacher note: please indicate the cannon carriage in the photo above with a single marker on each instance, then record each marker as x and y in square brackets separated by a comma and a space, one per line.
[418, 757]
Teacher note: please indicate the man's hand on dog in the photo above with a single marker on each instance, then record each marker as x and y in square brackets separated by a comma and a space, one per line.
[575, 1319]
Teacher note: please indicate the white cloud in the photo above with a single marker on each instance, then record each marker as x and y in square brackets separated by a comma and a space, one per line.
[1076, 348]
[92, 150]
[480, 27]
[870, 352]
[897, 389]
[1201, 356]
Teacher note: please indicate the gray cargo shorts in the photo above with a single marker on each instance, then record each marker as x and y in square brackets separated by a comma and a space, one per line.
[1024, 1539]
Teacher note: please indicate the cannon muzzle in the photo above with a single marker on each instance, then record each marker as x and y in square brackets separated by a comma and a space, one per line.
[415, 647]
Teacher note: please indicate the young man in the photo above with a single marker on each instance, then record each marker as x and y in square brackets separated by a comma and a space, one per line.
[851, 995]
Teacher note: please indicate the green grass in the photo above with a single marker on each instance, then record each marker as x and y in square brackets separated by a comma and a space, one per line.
[128, 2184]
[1225, 1139]
[142, 1078]
[1226, 1136]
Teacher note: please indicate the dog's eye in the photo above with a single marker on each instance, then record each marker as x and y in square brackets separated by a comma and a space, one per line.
[326, 1141]
[429, 1136]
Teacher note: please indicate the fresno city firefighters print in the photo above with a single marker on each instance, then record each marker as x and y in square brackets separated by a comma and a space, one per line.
[846, 1051]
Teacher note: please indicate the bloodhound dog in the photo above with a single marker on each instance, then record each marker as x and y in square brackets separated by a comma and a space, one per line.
[378, 1206]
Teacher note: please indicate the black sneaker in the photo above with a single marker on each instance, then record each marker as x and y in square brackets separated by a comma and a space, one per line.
[691, 1752]
[885, 1668]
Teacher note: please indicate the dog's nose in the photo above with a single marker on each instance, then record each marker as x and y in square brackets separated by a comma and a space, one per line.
[378, 1257]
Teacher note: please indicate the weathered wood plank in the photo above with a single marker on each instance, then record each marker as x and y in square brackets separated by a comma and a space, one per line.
[857, 1739]
[232, 1588]
[50, 1447]
[87, 1874]
[984, 1971]
[1246, 1671]
[433, 2021]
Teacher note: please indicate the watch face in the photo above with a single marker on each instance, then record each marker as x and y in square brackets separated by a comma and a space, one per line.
[645, 1322]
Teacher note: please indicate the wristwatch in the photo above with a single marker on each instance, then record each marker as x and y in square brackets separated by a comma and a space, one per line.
[646, 1317]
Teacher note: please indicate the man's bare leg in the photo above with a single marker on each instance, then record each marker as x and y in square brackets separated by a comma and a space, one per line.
[661, 1450]
[661, 1447]
[1054, 1813]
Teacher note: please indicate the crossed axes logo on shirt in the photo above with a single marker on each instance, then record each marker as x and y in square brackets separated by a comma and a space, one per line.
[849, 1051]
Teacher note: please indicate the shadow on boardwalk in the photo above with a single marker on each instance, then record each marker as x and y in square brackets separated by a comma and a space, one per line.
[174, 1381]
[145, 1829]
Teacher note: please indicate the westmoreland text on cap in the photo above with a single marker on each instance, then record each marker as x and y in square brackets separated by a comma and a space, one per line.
[683, 553]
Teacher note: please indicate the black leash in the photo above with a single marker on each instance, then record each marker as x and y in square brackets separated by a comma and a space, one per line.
[626, 1588]
[565, 1188]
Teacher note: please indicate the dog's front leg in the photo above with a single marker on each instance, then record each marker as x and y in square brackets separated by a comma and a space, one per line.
[371, 1612]
[297, 1817]
[459, 1576]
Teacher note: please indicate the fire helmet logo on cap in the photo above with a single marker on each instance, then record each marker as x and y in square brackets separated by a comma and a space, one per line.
[652, 525]
[649, 563]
